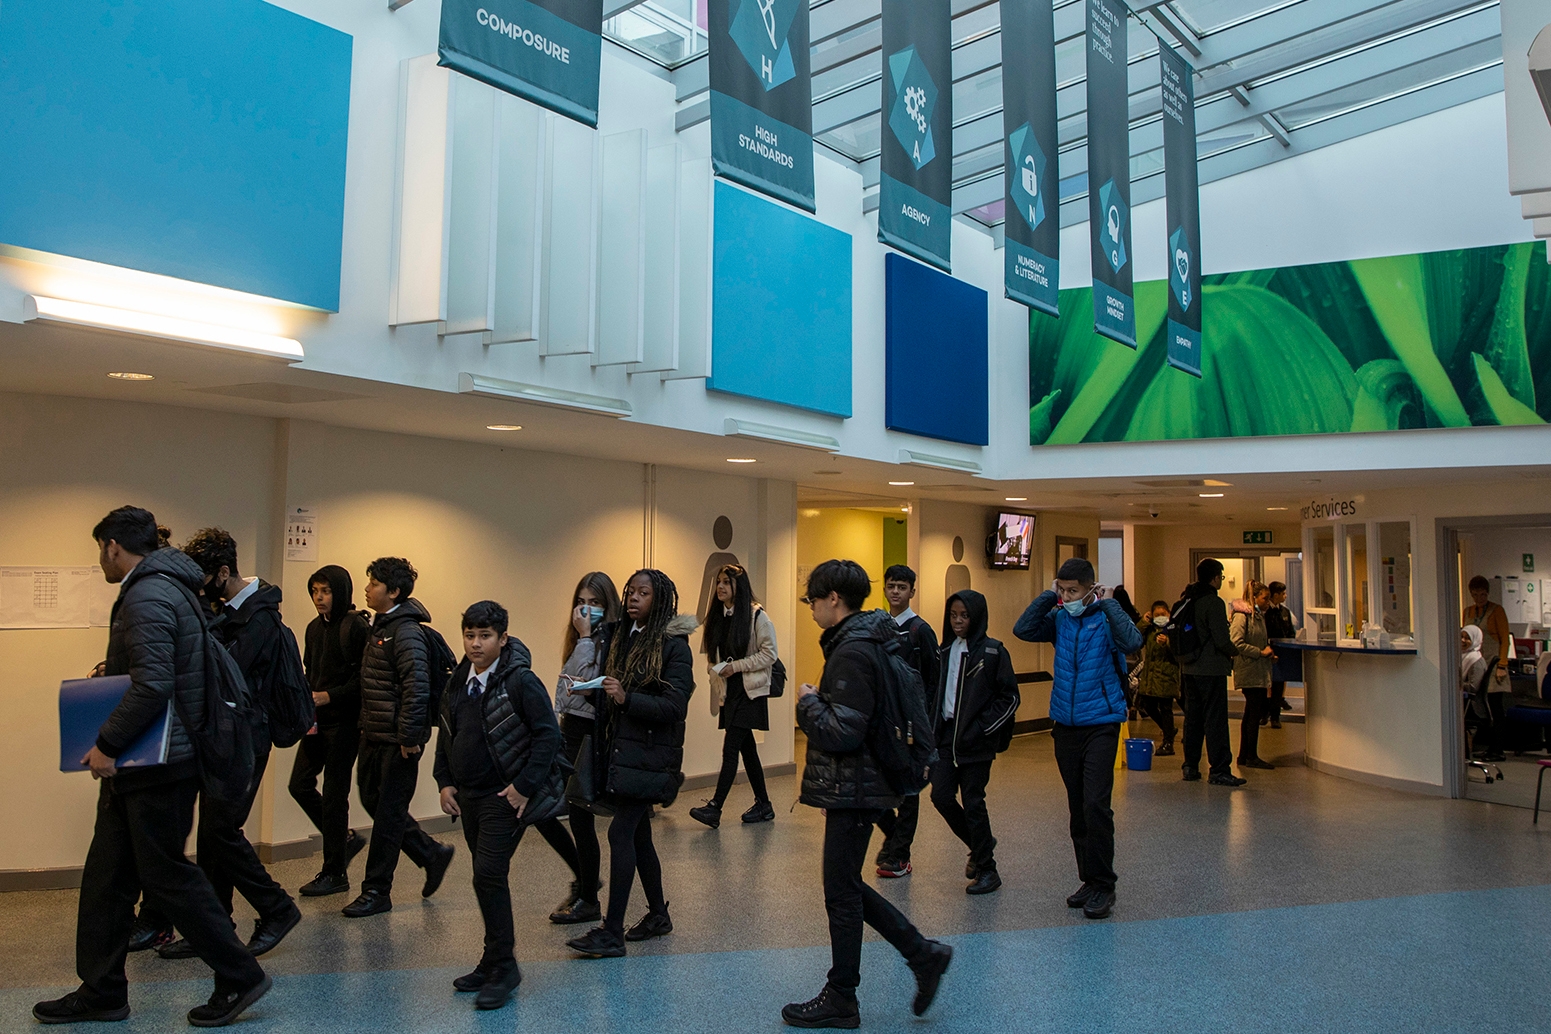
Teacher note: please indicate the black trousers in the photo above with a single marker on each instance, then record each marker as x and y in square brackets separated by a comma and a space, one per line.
[1206, 716]
[493, 831]
[387, 782]
[1278, 698]
[1160, 710]
[584, 828]
[227, 857]
[850, 901]
[738, 742]
[138, 845]
[1256, 702]
[1085, 754]
[969, 821]
[899, 830]
[329, 752]
[631, 851]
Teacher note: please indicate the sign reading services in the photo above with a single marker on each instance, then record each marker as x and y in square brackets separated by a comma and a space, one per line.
[1033, 223]
[1109, 172]
[1182, 185]
[762, 97]
[545, 51]
[915, 189]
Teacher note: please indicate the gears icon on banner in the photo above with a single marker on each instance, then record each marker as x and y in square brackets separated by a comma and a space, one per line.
[915, 106]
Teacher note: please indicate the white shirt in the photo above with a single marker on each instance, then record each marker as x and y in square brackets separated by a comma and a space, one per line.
[903, 617]
[477, 683]
[950, 697]
[248, 589]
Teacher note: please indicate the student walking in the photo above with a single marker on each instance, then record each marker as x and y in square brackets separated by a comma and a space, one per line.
[649, 676]
[973, 706]
[1158, 680]
[899, 825]
[1252, 669]
[334, 643]
[594, 606]
[397, 674]
[1087, 704]
[844, 778]
[740, 646]
[500, 766]
[144, 815]
[1205, 666]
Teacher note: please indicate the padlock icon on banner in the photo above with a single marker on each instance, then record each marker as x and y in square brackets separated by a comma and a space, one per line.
[1030, 178]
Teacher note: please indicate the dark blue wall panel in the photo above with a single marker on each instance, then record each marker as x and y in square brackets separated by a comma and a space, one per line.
[937, 334]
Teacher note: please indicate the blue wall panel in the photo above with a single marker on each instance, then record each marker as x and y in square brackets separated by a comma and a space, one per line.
[937, 333]
[197, 139]
[781, 305]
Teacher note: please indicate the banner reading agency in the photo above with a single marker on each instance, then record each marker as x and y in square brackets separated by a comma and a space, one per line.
[915, 186]
[1184, 212]
[547, 51]
[762, 97]
[1033, 224]
[1109, 172]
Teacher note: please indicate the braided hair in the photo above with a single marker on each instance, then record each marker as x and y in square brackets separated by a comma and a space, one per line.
[642, 664]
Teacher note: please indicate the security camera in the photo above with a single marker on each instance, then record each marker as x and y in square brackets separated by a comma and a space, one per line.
[1540, 67]
[1152, 511]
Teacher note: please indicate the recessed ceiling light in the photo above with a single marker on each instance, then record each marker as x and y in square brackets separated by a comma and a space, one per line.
[1017, 499]
[1211, 495]
[901, 484]
[740, 459]
[904, 509]
[125, 375]
[503, 427]
[1276, 508]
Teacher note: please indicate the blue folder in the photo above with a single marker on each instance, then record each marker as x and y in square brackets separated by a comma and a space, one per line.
[84, 704]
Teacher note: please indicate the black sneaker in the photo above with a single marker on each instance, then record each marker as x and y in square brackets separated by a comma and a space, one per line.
[970, 871]
[74, 1008]
[1099, 905]
[762, 811]
[893, 868]
[1079, 897]
[578, 910]
[709, 813]
[1276, 723]
[225, 1006]
[436, 869]
[1226, 779]
[472, 980]
[598, 943]
[1165, 749]
[1192, 774]
[1255, 763]
[370, 903]
[324, 884]
[830, 1009]
[929, 967]
[653, 924]
[985, 882]
[269, 931]
[498, 987]
[144, 936]
[178, 949]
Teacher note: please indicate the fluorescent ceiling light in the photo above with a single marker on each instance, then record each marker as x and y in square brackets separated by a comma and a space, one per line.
[1017, 499]
[150, 324]
[503, 427]
[901, 484]
[1211, 495]
[783, 435]
[125, 375]
[926, 459]
[1276, 508]
[493, 387]
[739, 459]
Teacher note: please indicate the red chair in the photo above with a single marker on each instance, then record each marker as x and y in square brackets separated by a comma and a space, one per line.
[1544, 764]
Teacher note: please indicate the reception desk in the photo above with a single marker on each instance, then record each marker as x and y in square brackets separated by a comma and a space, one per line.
[1299, 644]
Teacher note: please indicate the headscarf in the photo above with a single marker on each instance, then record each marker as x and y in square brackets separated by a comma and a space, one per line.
[1472, 656]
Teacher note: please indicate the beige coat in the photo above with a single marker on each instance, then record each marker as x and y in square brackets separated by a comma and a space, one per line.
[1251, 669]
[755, 668]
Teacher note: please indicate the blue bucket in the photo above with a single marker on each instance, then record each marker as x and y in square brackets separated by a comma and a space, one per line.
[1139, 755]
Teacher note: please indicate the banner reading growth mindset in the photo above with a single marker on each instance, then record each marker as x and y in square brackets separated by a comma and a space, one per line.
[762, 97]
[1184, 212]
[915, 189]
[1109, 172]
[548, 51]
[1033, 224]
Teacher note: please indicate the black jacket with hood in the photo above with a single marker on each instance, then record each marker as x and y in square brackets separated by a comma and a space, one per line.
[988, 698]
[332, 653]
[396, 678]
[1210, 612]
[841, 771]
[253, 634]
[521, 732]
[641, 741]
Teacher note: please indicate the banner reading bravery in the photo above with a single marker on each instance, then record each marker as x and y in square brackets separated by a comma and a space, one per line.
[1109, 172]
[762, 97]
[548, 51]
[1029, 113]
[1184, 212]
[915, 188]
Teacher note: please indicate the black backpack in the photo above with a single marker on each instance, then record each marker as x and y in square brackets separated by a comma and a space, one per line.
[291, 712]
[777, 680]
[1187, 639]
[442, 663]
[904, 739]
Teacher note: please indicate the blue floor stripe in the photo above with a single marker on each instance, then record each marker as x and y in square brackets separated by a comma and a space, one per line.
[1474, 960]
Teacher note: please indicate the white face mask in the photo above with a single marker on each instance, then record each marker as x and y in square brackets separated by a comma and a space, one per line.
[1161, 620]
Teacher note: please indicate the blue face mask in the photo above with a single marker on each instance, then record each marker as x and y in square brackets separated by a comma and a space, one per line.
[594, 615]
[1075, 607]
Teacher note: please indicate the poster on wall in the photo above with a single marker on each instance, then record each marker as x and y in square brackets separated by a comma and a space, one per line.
[915, 188]
[1109, 172]
[47, 597]
[1033, 240]
[301, 534]
[1182, 186]
[762, 97]
[547, 51]
[1444, 339]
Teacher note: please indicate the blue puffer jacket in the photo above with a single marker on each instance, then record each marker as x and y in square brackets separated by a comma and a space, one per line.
[1090, 655]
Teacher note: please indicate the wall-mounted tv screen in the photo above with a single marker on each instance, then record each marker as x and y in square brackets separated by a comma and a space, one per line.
[1012, 543]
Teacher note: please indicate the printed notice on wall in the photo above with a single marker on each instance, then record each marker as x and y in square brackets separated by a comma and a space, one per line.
[301, 534]
[46, 597]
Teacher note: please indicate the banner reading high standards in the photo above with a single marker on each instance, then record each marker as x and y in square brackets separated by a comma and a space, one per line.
[1109, 172]
[915, 189]
[1184, 212]
[1033, 224]
[547, 51]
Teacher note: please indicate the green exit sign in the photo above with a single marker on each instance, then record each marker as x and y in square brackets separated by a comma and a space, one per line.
[1257, 538]
[1529, 562]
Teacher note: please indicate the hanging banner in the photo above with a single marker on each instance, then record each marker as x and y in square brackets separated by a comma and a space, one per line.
[762, 97]
[1033, 219]
[548, 51]
[1184, 212]
[915, 189]
[1109, 172]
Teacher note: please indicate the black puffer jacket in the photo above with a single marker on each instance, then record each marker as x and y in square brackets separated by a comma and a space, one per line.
[396, 678]
[840, 771]
[332, 658]
[641, 748]
[987, 700]
[252, 634]
[157, 639]
[520, 730]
